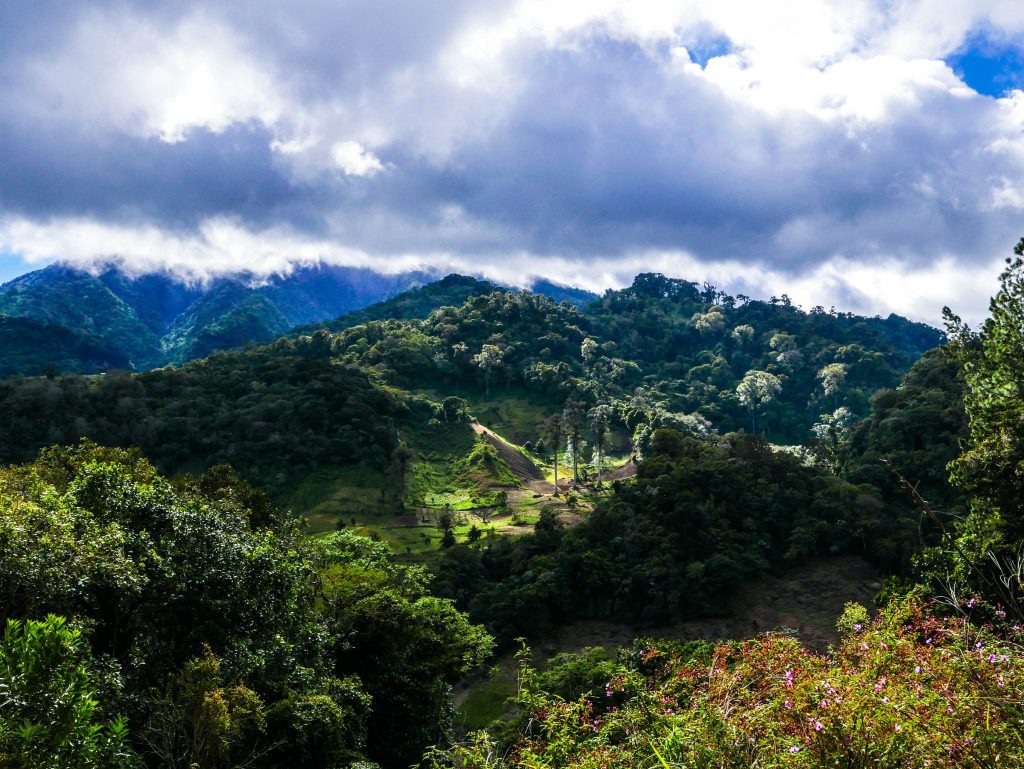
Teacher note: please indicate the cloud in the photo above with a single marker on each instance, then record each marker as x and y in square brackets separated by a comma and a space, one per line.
[814, 147]
[355, 160]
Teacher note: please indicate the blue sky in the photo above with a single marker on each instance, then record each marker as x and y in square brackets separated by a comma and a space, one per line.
[12, 265]
[856, 153]
[989, 65]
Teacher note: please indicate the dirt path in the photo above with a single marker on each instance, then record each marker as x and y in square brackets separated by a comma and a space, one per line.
[620, 473]
[525, 470]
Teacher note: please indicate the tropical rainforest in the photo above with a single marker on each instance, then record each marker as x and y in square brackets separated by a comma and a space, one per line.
[237, 531]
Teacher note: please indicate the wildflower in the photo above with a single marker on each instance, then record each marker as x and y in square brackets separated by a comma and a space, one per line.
[899, 728]
[789, 705]
[917, 669]
[794, 749]
[818, 726]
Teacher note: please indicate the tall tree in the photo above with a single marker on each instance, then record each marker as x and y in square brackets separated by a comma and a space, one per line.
[572, 418]
[552, 433]
[488, 359]
[757, 389]
[832, 377]
[600, 418]
[993, 366]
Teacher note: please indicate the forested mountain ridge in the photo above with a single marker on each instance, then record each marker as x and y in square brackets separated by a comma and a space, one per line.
[662, 353]
[143, 321]
[338, 644]
[155, 319]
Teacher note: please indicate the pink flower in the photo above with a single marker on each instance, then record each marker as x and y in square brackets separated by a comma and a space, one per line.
[817, 726]
[794, 749]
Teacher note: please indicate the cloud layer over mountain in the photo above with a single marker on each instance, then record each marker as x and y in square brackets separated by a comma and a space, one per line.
[853, 153]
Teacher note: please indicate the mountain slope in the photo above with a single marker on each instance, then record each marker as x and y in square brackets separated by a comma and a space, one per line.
[150, 320]
[22, 339]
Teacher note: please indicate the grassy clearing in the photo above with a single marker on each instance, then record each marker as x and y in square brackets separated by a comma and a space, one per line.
[328, 495]
[515, 411]
[486, 701]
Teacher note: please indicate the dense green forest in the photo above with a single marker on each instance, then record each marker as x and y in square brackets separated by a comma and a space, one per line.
[221, 634]
[82, 321]
[289, 555]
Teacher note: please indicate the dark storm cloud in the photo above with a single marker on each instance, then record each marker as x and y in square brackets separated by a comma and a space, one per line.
[66, 171]
[584, 145]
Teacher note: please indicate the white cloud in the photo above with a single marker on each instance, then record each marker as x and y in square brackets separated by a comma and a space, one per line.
[826, 142]
[146, 79]
[355, 160]
[223, 246]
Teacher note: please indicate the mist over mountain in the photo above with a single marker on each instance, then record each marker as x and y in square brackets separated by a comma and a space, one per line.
[141, 322]
[69, 319]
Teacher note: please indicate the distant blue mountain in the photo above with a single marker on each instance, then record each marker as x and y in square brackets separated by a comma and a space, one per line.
[78, 321]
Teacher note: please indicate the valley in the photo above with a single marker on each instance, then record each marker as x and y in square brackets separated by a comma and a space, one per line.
[725, 469]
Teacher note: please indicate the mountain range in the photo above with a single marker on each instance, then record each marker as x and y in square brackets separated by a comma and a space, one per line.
[62, 318]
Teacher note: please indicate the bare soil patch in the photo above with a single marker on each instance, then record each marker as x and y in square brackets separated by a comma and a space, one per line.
[808, 601]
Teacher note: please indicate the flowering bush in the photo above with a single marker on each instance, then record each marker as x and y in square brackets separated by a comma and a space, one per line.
[908, 689]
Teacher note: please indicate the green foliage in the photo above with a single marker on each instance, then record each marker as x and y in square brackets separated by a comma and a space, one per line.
[91, 322]
[907, 690]
[572, 675]
[226, 636]
[676, 342]
[417, 303]
[483, 464]
[853, 619]
[265, 411]
[320, 729]
[31, 347]
[982, 551]
[49, 717]
[202, 722]
[701, 517]
[406, 648]
[993, 366]
[914, 431]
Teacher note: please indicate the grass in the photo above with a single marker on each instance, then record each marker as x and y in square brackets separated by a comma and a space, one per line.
[328, 495]
[451, 469]
[486, 701]
[515, 411]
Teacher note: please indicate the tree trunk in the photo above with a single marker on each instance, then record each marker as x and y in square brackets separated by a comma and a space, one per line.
[556, 468]
[575, 462]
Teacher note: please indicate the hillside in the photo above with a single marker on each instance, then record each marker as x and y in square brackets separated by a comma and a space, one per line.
[662, 352]
[151, 320]
[434, 423]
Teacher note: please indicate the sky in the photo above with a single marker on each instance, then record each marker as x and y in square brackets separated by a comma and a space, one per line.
[867, 155]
